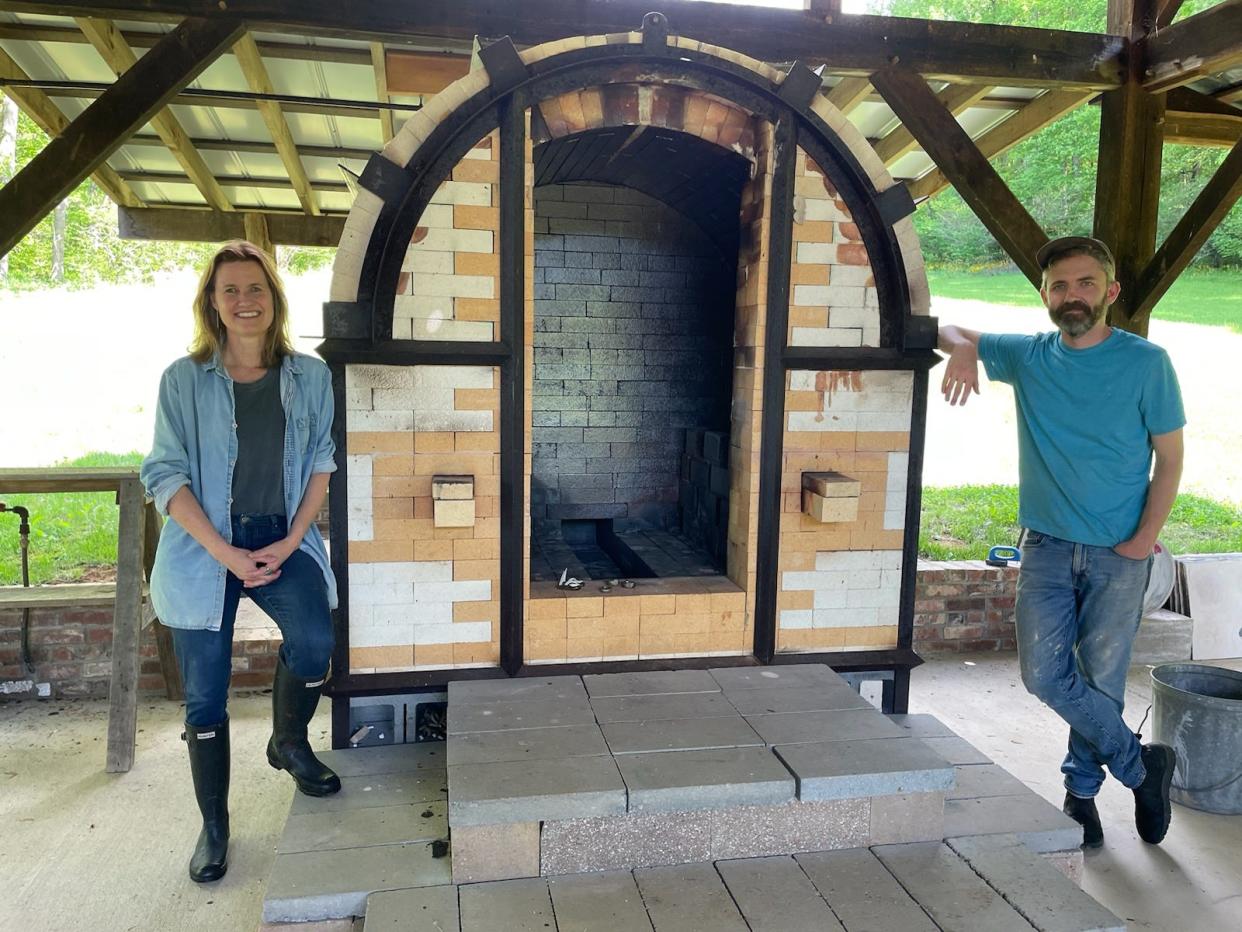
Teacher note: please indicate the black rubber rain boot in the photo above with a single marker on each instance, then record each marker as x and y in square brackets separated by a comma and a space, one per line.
[209, 766]
[293, 706]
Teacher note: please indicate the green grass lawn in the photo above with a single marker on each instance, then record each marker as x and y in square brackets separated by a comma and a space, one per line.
[69, 531]
[1212, 297]
[961, 523]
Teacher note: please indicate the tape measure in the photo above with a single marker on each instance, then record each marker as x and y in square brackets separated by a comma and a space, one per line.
[1002, 556]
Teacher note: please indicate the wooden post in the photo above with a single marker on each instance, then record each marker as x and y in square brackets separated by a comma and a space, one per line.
[126, 629]
[163, 637]
[1127, 183]
[255, 226]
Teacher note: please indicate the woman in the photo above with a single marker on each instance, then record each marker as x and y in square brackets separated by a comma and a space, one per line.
[240, 463]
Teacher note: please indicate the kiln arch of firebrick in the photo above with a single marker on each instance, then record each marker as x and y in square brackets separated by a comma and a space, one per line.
[429, 337]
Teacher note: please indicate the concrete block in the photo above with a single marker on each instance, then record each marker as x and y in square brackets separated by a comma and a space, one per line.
[1163, 637]
[774, 895]
[922, 725]
[527, 744]
[661, 708]
[829, 510]
[689, 898]
[1041, 826]
[452, 488]
[906, 818]
[679, 735]
[529, 791]
[974, 781]
[881, 767]
[495, 852]
[507, 906]
[549, 688]
[831, 484]
[361, 828]
[827, 697]
[1034, 887]
[653, 683]
[368, 792]
[948, 890]
[672, 781]
[862, 893]
[314, 885]
[423, 909]
[504, 715]
[732, 679]
[572, 846]
[838, 725]
[759, 831]
[453, 513]
[607, 902]
[957, 750]
[395, 758]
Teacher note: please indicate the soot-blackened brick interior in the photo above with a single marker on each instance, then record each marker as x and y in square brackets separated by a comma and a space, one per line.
[634, 309]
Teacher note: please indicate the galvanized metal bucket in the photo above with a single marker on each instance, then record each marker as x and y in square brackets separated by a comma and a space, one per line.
[1197, 710]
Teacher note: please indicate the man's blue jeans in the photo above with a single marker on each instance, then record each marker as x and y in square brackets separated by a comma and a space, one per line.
[297, 601]
[1078, 610]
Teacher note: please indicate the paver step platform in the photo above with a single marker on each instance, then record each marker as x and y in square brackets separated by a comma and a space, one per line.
[644, 771]
[977, 884]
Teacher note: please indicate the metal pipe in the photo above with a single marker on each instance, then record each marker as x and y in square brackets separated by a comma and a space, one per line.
[23, 535]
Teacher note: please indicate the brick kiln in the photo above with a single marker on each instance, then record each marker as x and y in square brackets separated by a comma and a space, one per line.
[631, 306]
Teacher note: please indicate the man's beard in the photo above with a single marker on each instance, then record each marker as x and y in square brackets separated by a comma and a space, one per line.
[1076, 324]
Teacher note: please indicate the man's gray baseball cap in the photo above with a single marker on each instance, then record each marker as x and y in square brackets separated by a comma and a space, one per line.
[1054, 248]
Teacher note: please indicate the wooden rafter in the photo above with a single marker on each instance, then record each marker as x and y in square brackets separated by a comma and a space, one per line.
[1184, 240]
[944, 140]
[258, 146]
[1165, 11]
[1198, 119]
[232, 100]
[1047, 108]
[49, 118]
[286, 228]
[379, 65]
[115, 51]
[857, 45]
[231, 181]
[1200, 45]
[87, 142]
[255, 71]
[955, 98]
[848, 93]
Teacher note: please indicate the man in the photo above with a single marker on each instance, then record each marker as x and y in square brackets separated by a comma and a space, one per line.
[1093, 403]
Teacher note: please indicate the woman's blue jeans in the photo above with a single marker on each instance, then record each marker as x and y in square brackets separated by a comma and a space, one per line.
[297, 601]
[1078, 610]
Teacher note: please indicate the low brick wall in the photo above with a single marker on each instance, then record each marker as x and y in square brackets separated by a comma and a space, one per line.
[72, 651]
[960, 606]
[964, 605]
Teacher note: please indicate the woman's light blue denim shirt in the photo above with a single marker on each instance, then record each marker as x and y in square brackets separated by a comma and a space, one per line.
[196, 445]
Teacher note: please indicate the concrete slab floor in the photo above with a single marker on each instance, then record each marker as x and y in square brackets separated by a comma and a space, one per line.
[85, 849]
[1190, 883]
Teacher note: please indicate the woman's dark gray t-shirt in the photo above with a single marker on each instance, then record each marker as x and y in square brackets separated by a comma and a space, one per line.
[258, 476]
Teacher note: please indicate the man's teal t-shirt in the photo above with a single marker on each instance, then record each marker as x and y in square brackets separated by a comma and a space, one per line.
[1085, 422]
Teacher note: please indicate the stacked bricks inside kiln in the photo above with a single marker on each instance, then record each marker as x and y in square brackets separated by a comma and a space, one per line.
[704, 504]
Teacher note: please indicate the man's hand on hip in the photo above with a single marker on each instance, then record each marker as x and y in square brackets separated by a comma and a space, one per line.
[1133, 549]
[961, 374]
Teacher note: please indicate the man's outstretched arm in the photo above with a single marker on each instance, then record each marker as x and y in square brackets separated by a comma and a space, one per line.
[961, 373]
[1161, 493]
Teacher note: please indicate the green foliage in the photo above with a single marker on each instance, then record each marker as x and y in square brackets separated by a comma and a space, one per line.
[962, 523]
[1210, 297]
[69, 531]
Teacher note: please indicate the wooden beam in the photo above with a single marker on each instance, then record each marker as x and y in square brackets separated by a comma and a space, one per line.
[257, 77]
[255, 227]
[942, 138]
[974, 52]
[1166, 10]
[49, 118]
[231, 181]
[380, 67]
[84, 145]
[212, 226]
[1193, 118]
[1203, 44]
[423, 73]
[232, 100]
[1192, 231]
[848, 93]
[955, 98]
[116, 52]
[253, 145]
[1047, 108]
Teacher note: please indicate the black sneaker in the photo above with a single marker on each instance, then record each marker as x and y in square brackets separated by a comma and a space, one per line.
[1152, 809]
[1083, 812]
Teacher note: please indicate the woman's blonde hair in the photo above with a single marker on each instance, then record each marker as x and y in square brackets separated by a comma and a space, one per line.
[209, 332]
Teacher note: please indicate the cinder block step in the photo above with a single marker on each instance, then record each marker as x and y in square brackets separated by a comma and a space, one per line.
[1034, 887]
[506, 906]
[948, 890]
[423, 909]
[862, 893]
[604, 902]
[688, 898]
[1041, 826]
[775, 895]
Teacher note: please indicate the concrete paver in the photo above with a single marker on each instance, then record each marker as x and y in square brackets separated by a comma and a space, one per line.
[775, 895]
